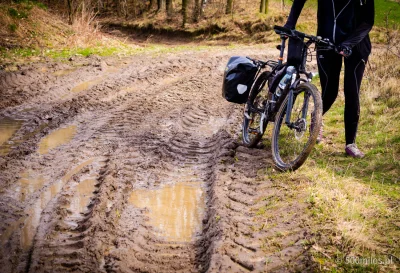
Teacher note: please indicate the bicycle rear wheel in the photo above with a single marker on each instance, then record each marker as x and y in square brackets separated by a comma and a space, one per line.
[252, 132]
[291, 144]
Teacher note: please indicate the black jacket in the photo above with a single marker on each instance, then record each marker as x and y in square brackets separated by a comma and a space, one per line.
[344, 22]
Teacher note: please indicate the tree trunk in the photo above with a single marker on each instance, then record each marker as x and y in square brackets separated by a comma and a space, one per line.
[161, 5]
[169, 7]
[151, 4]
[184, 12]
[264, 6]
[203, 6]
[70, 12]
[196, 12]
[228, 6]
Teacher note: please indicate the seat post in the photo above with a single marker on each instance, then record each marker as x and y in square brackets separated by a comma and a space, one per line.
[280, 59]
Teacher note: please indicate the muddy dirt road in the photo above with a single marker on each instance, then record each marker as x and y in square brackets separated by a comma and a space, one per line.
[133, 165]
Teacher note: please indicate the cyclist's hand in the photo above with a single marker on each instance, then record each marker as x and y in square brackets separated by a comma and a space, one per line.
[344, 50]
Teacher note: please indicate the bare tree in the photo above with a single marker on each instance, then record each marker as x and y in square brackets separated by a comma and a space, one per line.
[264, 6]
[196, 11]
[151, 4]
[161, 5]
[184, 12]
[229, 4]
[169, 7]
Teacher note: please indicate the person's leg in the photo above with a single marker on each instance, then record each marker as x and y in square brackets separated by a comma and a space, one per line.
[329, 65]
[354, 71]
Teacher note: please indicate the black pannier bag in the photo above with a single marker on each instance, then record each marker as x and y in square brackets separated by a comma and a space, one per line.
[238, 78]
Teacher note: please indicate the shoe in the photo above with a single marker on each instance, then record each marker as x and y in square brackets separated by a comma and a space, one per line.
[353, 151]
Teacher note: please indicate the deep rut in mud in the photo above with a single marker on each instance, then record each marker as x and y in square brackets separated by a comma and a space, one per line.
[132, 165]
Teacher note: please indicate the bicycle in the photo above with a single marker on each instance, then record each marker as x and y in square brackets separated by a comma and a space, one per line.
[295, 109]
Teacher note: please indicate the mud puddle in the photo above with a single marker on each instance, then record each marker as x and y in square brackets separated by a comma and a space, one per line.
[57, 138]
[26, 185]
[8, 127]
[88, 84]
[176, 211]
[84, 192]
[34, 213]
[64, 72]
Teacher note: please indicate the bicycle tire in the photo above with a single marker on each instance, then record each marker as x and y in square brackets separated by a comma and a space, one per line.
[251, 130]
[285, 154]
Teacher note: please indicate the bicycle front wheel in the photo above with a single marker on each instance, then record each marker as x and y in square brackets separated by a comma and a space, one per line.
[293, 139]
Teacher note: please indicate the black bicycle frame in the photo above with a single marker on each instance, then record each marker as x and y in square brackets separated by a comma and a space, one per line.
[299, 70]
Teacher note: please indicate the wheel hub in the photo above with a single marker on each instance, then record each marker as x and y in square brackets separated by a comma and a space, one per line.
[300, 128]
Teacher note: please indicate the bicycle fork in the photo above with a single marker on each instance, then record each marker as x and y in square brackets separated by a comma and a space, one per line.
[304, 110]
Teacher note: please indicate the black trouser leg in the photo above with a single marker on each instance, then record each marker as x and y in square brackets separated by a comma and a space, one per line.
[329, 65]
[354, 70]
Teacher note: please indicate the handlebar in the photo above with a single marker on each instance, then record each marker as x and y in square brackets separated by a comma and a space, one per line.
[297, 34]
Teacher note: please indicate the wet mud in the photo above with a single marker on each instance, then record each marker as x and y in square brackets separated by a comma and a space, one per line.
[134, 165]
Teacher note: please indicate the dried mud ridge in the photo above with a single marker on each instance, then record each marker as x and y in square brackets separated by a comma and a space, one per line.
[141, 124]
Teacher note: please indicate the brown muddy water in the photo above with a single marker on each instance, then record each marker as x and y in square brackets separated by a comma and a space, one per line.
[64, 72]
[176, 211]
[8, 127]
[28, 185]
[56, 138]
[84, 193]
[86, 85]
[34, 213]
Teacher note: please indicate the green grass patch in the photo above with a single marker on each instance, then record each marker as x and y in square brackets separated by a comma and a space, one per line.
[12, 27]
[14, 13]
[385, 9]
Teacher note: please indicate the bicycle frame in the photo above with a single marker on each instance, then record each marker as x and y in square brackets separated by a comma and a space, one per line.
[300, 69]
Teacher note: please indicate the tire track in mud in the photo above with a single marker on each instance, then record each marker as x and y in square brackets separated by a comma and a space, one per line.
[101, 146]
[153, 130]
[256, 240]
[155, 158]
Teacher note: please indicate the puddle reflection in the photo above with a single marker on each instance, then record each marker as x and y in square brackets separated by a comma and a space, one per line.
[57, 138]
[8, 127]
[32, 221]
[86, 85]
[84, 192]
[64, 72]
[176, 211]
[27, 185]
